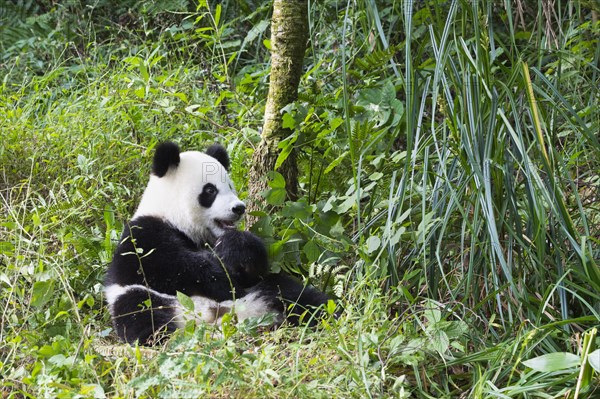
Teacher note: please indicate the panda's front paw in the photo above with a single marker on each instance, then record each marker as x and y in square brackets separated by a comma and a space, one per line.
[244, 255]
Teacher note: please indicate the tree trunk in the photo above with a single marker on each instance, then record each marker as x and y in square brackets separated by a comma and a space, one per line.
[289, 34]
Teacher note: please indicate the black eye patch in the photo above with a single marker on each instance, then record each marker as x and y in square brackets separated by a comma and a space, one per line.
[208, 195]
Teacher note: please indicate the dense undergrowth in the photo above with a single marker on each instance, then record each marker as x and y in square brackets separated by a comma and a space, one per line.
[449, 163]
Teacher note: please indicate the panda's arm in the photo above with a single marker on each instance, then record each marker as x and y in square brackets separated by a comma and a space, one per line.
[204, 274]
[244, 255]
[171, 262]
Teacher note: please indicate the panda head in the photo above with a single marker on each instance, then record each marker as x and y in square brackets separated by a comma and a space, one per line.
[192, 192]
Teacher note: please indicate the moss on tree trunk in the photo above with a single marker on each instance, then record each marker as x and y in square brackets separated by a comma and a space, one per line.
[289, 34]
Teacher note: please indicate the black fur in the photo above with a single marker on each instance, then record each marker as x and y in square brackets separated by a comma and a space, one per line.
[152, 253]
[208, 195]
[244, 255]
[166, 155]
[219, 153]
[143, 315]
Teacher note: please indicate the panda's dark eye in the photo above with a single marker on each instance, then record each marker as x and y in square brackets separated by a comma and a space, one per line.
[208, 195]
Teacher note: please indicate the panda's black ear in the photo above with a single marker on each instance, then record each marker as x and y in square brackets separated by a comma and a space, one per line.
[166, 155]
[219, 153]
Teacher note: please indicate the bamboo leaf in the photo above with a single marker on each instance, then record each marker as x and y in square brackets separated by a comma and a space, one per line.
[534, 111]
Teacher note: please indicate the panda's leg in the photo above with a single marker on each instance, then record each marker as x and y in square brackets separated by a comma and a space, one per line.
[144, 315]
[298, 303]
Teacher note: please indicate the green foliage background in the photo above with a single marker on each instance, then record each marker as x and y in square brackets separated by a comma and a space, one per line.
[449, 184]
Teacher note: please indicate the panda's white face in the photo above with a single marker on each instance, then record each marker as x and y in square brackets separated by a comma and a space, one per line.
[196, 196]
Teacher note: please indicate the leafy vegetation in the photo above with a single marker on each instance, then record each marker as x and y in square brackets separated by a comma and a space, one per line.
[449, 194]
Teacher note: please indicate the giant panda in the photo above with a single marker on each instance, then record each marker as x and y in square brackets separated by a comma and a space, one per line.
[184, 238]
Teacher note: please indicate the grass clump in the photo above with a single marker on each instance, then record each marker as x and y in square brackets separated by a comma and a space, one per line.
[449, 195]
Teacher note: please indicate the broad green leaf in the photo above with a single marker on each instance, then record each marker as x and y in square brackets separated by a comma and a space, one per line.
[375, 176]
[370, 96]
[276, 180]
[185, 301]
[92, 390]
[345, 206]
[337, 230]
[217, 16]
[228, 326]
[288, 121]
[432, 314]
[143, 69]
[182, 96]
[60, 360]
[230, 44]
[297, 210]
[312, 251]
[395, 238]
[140, 92]
[439, 341]
[373, 244]
[275, 196]
[331, 307]
[163, 102]
[6, 248]
[335, 162]
[276, 249]
[286, 146]
[335, 123]
[255, 31]
[37, 221]
[398, 156]
[398, 111]
[553, 362]
[82, 162]
[329, 204]
[47, 351]
[192, 108]
[42, 293]
[594, 360]
[262, 226]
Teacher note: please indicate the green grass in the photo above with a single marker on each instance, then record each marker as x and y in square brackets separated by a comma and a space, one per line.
[449, 160]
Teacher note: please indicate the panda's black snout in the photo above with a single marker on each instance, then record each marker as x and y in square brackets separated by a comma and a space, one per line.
[239, 209]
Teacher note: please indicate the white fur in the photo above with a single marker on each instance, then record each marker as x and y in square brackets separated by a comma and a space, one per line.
[251, 305]
[174, 197]
[113, 292]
